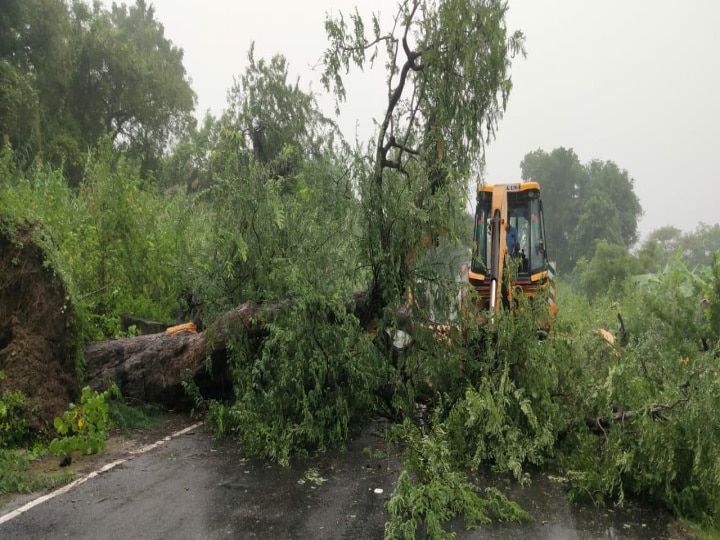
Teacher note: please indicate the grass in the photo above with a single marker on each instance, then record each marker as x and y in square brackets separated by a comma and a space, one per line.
[127, 417]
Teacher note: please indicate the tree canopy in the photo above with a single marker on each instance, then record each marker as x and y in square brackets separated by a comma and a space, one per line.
[447, 66]
[584, 204]
[93, 73]
[696, 248]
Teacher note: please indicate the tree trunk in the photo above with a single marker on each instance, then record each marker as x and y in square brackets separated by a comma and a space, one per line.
[152, 368]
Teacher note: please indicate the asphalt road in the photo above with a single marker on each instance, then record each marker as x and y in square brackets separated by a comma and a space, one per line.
[190, 487]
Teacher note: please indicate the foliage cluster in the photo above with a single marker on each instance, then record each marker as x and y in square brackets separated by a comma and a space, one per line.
[15, 433]
[497, 411]
[431, 490]
[72, 73]
[15, 428]
[622, 420]
[648, 401]
[696, 248]
[13, 466]
[119, 245]
[448, 83]
[307, 386]
[84, 427]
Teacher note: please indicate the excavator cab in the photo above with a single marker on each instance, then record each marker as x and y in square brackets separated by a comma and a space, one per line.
[509, 253]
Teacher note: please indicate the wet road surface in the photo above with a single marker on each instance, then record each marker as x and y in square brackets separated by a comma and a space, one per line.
[191, 487]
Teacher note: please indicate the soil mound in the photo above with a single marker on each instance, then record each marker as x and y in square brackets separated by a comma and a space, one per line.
[37, 338]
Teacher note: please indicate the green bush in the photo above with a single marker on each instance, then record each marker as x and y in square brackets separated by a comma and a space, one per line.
[83, 428]
[14, 424]
[119, 245]
[645, 406]
[13, 471]
[15, 430]
[305, 387]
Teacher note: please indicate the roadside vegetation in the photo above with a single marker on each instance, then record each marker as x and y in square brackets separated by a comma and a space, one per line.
[269, 203]
[81, 430]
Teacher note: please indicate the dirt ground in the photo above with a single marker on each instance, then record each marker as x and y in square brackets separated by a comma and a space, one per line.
[37, 339]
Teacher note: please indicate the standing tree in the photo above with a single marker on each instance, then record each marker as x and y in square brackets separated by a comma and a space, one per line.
[563, 180]
[36, 56]
[659, 247]
[584, 203]
[130, 83]
[701, 246]
[18, 108]
[610, 210]
[697, 248]
[73, 74]
[447, 85]
[272, 114]
[190, 161]
[282, 195]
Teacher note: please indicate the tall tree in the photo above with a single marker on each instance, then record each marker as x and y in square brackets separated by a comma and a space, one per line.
[696, 248]
[36, 52]
[280, 188]
[79, 73]
[610, 210]
[19, 113]
[191, 160]
[447, 84]
[606, 269]
[130, 83]
[583, 204]
[270, 113]
[702, 246]
[563, 181]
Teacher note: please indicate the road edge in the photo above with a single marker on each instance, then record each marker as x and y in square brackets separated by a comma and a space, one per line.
[68, 487]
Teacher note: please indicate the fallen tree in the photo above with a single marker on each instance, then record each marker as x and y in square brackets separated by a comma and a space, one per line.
[152, 368]
[38, 344]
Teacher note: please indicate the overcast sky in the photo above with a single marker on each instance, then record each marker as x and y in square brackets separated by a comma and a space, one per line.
[636, 82]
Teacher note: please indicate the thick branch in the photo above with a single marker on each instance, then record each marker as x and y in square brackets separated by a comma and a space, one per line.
[601, 423]
[409, 64]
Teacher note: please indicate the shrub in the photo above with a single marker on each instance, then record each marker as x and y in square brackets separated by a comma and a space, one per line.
[83, 428]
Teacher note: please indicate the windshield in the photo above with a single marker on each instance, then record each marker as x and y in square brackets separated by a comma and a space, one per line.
[525, 234]
[481, 235]
[525, 216]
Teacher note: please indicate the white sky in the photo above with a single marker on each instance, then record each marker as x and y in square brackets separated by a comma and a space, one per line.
[636, 82]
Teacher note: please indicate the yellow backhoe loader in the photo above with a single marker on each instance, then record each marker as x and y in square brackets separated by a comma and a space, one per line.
[509, 255]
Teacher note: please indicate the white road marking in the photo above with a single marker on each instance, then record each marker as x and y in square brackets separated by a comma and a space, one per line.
[93, 474]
